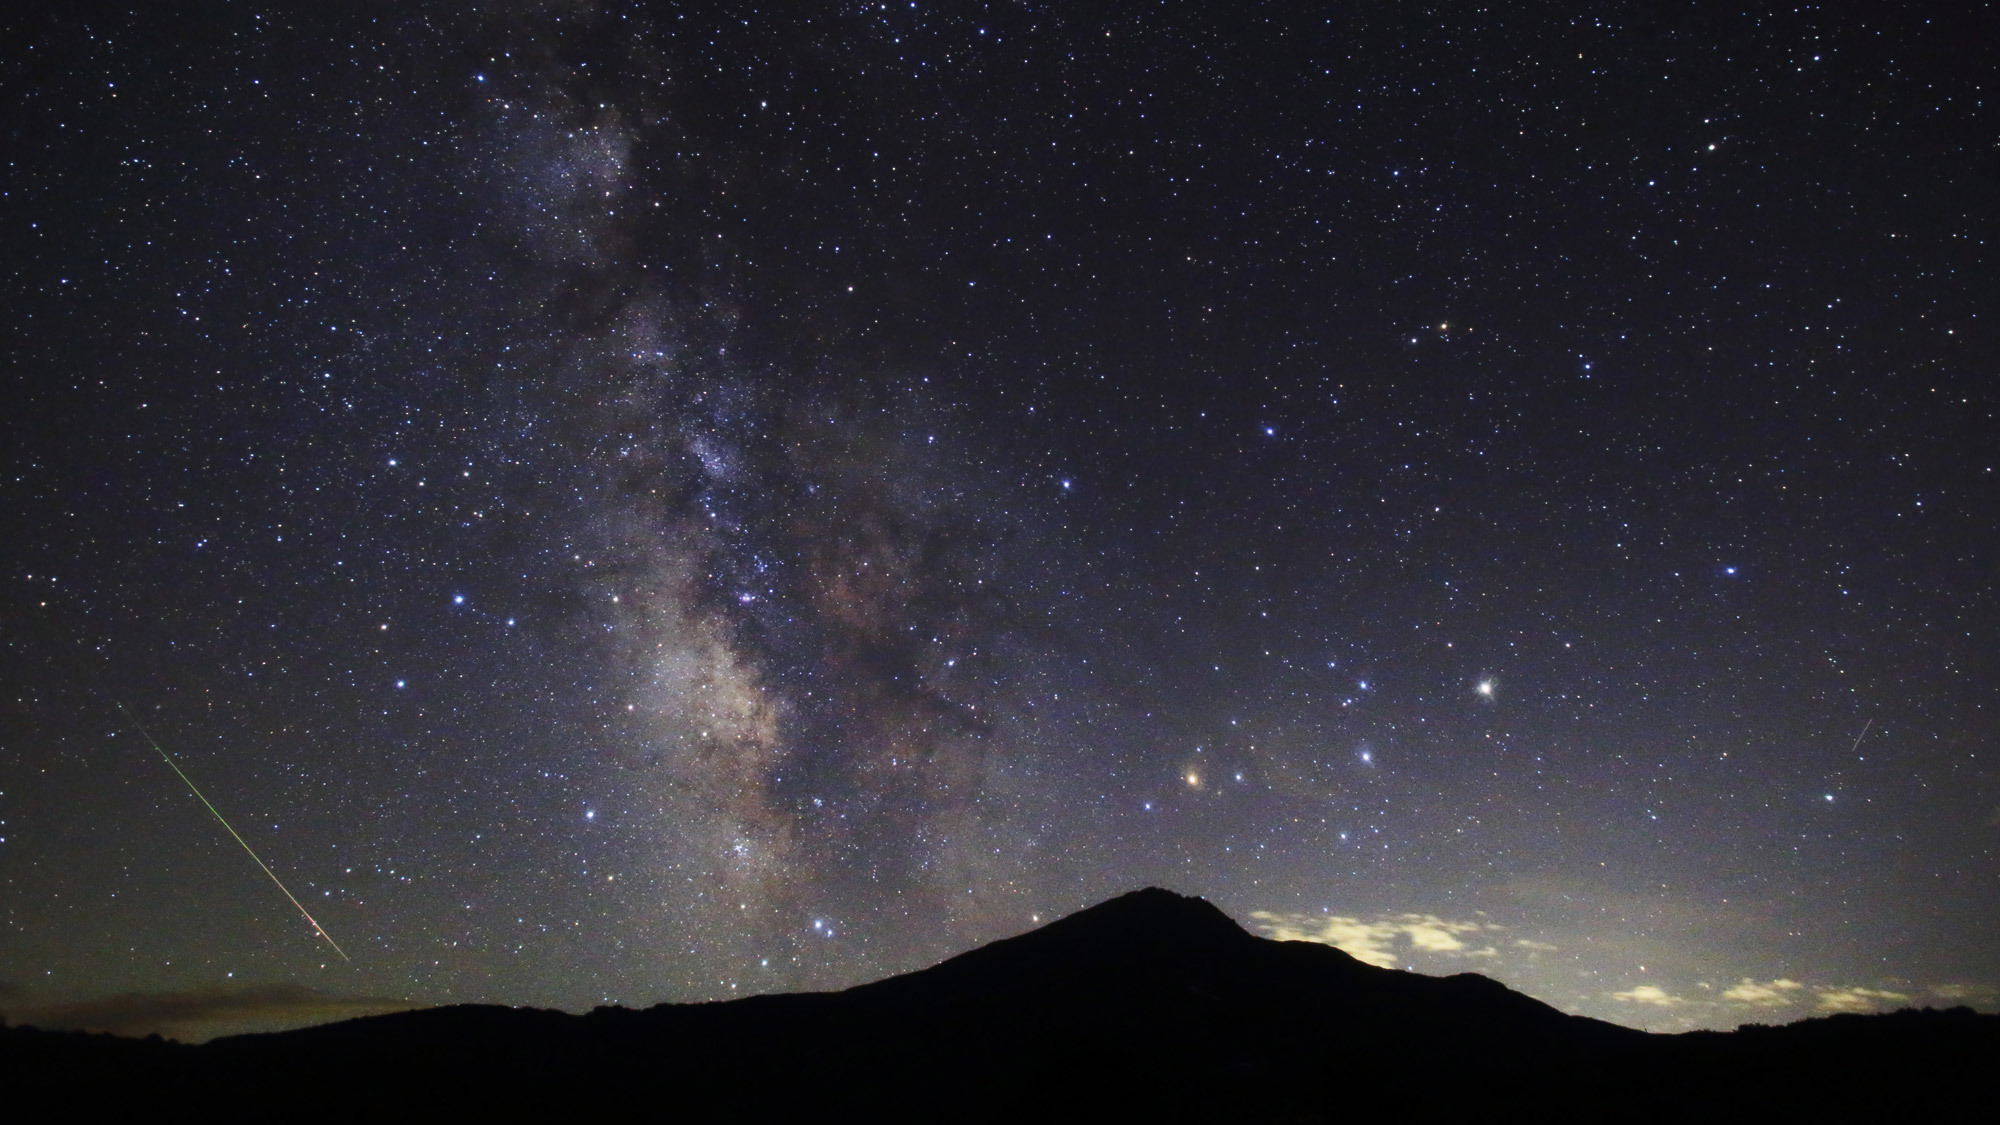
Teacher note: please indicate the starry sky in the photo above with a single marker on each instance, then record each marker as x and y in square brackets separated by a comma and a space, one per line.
[623, 502]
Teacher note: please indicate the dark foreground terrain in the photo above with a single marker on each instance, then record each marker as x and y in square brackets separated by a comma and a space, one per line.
[1148, 1007]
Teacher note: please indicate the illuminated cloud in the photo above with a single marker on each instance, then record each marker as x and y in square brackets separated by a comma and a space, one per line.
[1983, 995]
[1376, 940]
[1649, 994]
[202, 1014]
[1670, 1002]
[1858, 999]
[1769, 994]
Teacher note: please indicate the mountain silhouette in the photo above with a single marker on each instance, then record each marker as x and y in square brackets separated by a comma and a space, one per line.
[1151, 1005]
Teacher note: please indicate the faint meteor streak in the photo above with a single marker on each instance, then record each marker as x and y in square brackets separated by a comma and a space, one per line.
[189, 782]
[1862, 735]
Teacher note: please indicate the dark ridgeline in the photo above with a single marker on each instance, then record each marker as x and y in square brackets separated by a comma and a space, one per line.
[1148, 1006]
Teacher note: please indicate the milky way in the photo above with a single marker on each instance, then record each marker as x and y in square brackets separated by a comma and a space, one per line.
[809, 614]
[628, 502]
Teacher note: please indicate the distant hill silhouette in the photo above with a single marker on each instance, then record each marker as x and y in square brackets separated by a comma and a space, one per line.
[1151, 1006]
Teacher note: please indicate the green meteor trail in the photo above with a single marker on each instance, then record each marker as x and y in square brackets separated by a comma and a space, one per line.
[220, 819]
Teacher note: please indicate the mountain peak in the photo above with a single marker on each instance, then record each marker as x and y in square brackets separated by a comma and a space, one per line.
[1150, 915]
[1129, 942]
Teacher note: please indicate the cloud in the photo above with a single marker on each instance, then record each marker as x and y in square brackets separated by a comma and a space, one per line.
[1857, 999]
[1649, 994]
[1435, 935]
[1982, 994]
[1672, 997]
[1770, 994]
[1376, 940]
[1784, 993]
[202, 1014]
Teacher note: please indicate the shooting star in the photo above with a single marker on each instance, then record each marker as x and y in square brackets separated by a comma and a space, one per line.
[1862, 735]
[189, 782]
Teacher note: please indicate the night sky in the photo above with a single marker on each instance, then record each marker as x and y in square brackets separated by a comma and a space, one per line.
[630, 502]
